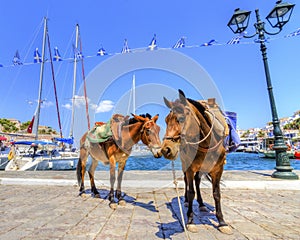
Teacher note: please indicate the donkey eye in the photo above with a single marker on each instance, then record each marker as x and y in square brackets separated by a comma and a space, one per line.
[181, 119]
[148, 131]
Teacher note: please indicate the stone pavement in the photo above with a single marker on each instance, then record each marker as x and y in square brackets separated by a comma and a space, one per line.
[46, 205]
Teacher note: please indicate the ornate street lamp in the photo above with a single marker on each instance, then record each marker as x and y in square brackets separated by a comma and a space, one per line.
[277, 18]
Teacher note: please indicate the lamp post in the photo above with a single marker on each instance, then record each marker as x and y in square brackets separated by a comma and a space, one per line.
[277, 18]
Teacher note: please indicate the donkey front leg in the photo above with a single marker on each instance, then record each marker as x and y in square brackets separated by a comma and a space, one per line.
[190, 197]
[202, 207]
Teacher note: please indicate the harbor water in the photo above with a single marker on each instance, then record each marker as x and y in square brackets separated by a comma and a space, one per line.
[234, 161]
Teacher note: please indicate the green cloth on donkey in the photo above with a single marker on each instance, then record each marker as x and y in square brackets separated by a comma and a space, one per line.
[99, 134]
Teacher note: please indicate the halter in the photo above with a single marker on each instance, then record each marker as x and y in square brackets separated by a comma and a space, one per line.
[182, 135]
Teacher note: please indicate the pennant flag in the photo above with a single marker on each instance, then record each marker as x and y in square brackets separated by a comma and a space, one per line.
[293, 34]
[211, 42]
[37, 56]
[101, 52]
[57, 56]
[16, 59]
[152, 46]
[125, 48]
[77, 54]
[235, 40]
[180, 43]
[265, 40]
[29, 129]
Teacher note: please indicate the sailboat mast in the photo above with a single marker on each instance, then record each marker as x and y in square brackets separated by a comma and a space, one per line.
[41, 79]
[133, 93]
[74, 82]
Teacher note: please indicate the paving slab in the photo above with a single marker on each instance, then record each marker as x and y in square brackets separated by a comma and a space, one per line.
[52, 209]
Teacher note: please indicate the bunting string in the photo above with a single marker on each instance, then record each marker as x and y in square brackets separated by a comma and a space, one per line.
[181, 43]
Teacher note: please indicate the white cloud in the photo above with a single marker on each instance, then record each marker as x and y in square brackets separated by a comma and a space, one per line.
[67, 106]
[46, 104]
[104, 106]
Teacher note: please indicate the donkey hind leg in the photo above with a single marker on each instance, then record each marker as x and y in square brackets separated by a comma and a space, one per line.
[111, 195]
[119, 196]
[216, 178]
[190, 196]
[80, 170]
[197, 178]
[91, 172]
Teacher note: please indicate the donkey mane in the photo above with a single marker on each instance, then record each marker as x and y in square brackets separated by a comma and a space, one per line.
[201, 109]
[133, 120]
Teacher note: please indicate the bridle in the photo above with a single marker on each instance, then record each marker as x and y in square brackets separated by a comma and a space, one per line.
[144, 128]
[182, 135]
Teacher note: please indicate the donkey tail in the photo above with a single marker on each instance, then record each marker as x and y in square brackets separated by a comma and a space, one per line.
[79, 171]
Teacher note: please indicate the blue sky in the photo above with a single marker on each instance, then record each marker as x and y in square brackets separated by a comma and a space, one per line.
[237, 70]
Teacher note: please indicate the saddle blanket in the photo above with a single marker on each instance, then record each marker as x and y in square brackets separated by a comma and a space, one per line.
[225, 124]
[100, 133]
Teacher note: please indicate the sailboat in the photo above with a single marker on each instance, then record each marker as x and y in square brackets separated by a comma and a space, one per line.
[138, 150]
[37, 154]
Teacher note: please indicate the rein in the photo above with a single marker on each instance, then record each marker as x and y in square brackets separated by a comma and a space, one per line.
[197, 120]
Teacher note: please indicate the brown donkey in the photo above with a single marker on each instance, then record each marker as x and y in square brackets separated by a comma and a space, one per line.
[195, 132]
[113, 151]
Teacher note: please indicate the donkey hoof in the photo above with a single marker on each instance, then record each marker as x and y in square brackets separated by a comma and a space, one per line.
[226, 230]
[203, 209]
[82, 194]
[192, 228]
[113, 206]
[97, 195]
[122, 203]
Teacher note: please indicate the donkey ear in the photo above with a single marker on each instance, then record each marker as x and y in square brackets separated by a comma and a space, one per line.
[155, 118]
[168, 104]
[182, 97]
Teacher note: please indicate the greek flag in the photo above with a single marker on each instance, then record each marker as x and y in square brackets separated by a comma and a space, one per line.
[37, 56]
[293, 34]
[266, 40]
[235, 40]
[57, 56]
[101, 52]
[152, 46]
[16, 59]
[77, 54]
[125, 48]
[180, 43]
[211, 42]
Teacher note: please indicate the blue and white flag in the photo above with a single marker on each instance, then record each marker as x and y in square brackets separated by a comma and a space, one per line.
[180, 43]
[37, 57]
[293, 34]
[101, 52]
[125, 48]
[266, 40]
[16, 59]
[211, 42]
[77, 54]
[57, 56]
[235, 40]
[152, 46]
